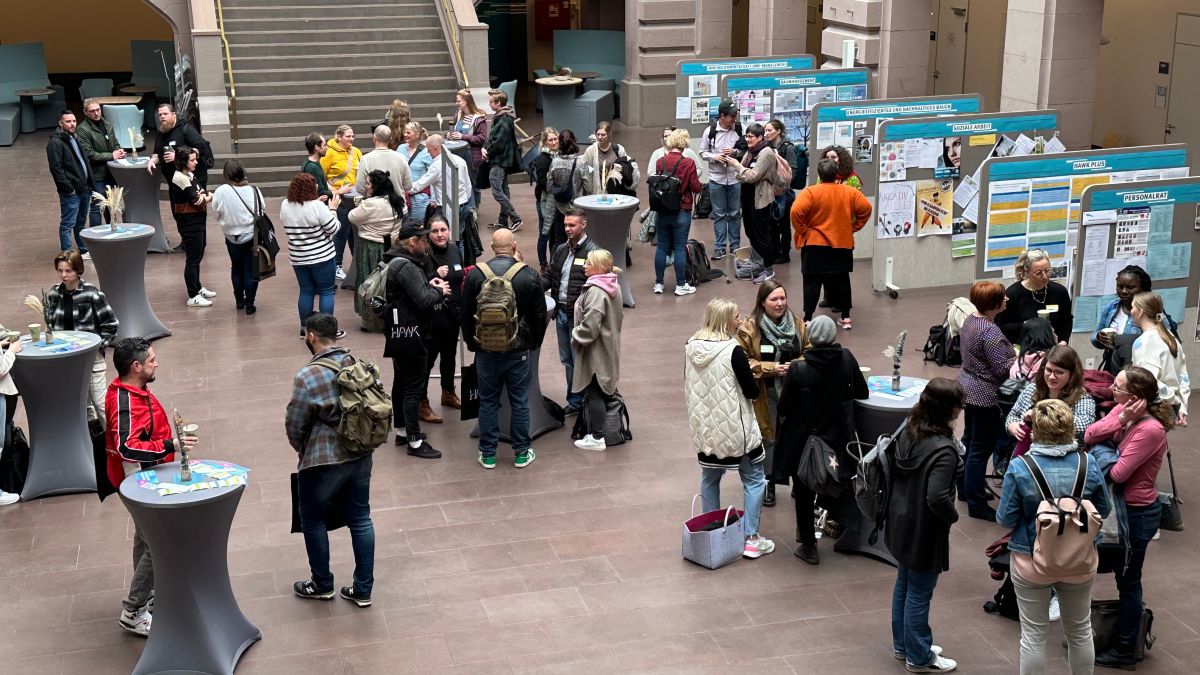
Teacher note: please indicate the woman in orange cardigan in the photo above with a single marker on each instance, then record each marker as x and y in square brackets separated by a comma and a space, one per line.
[825, 217]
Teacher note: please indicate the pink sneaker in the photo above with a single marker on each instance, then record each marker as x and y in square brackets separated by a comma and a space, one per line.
[757, 547]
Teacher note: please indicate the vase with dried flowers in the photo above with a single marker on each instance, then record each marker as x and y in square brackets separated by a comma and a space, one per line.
[112, 201]
[896, 353]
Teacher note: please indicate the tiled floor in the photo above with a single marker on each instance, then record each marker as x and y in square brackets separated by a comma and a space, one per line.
[571, 564]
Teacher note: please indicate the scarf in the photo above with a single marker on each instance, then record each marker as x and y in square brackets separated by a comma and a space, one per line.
[782, 333]
[758, 147]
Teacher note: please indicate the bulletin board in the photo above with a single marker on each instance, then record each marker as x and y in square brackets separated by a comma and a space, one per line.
[927, 175]
[1034, 201]
[790, 96]
[1154, 224]
[697, 84]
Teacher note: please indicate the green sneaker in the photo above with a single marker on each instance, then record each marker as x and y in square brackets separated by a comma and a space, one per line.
[487, 462]
[524, 459]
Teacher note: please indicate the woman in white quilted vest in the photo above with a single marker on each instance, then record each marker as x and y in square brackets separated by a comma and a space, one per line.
[720, 389]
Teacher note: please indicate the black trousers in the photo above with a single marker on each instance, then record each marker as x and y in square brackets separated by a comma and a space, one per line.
[444, 344]
[837, 292]
[558, 233]
[759, 227]
[781, 232]
[597, 405]
[194, 241]
[410, 380]
[806, 500]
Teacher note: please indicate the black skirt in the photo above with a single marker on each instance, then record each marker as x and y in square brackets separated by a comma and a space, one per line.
[826, 260]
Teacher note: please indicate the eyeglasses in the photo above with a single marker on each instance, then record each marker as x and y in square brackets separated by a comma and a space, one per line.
[1118, 390]
[1040, 273]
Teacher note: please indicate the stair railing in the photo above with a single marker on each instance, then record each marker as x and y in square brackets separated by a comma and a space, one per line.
[451, 22]
[233, 120]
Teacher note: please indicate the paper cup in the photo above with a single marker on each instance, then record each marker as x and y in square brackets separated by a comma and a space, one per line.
[35, 331]
[14, 335]
[191, 430]
[1044, 313]
[865, 370]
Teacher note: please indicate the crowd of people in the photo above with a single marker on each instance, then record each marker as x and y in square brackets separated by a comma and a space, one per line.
[763, 392]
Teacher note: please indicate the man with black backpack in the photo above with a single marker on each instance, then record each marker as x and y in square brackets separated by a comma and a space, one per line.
[331, 471]
[723, 138]
[410, 295]
[504, 322]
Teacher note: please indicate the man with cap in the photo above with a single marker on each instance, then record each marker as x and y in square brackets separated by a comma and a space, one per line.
[411, 294]
[724, 138]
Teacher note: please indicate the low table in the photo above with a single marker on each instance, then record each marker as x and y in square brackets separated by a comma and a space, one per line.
[141, 197]
[28, 123]
[608, 224]
[118, 100]
[558, 93]
[54, 380]
[198, 626]
[120, 260]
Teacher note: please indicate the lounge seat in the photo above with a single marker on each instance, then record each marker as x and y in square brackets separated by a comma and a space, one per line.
[10, 124]
[95, 86]
[122, 117]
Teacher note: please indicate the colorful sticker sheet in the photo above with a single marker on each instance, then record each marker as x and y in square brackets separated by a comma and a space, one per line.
[207, 474]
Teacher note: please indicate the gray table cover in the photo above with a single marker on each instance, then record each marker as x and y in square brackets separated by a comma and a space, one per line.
[120, 261]
[198, 626]
[608, 224]
[141, 197]
[54, 386]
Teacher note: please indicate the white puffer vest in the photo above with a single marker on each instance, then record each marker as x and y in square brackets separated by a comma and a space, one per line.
[722, 419]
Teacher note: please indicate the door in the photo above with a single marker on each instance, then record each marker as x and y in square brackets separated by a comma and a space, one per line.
[951, 47]
[1183, 124]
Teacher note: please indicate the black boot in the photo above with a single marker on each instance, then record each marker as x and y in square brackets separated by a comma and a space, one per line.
[769, 499]
[1117, 656]
[808, 553]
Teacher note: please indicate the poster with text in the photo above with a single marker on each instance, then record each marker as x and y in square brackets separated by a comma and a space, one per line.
[891, 161]
[702, 86]
[935, 200]
[897, 210]
[789, 100]
[962, 238]
[951, 159]
[815, 95]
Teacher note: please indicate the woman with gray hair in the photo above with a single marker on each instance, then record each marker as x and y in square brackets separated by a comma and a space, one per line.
[1032, 292]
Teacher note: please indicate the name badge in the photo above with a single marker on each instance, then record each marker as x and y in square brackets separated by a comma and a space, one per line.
[1052, 308]
[767, 349]
[580, 261]
[457, 267]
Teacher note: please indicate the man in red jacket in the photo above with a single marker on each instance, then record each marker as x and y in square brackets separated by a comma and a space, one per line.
[138, 436]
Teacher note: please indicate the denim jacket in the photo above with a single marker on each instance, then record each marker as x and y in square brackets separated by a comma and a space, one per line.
[1020, 497]
[1131, 327]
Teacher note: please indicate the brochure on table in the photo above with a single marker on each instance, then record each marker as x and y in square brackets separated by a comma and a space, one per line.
[791, 96]
[928, 173]
[1154, 224]
[697, 84]
[1034, 201]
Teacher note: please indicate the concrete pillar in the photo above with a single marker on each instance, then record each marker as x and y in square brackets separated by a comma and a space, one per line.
[659, 34]
[777, 27]
[857, 20]
[904, 48]
[1051, 54]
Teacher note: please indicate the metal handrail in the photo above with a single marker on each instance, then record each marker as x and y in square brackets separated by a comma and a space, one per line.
[455, 40]
[233, 123]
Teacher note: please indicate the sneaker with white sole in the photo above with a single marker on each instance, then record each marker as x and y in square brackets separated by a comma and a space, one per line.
[658, 288]
[757, 547]
[199, 301]
[899, 656]
[524, 459]
[590, 442]
[1055, 612]
[7, 498]
[684, 289]
[138, 624]
[207, 293]
[339, 273]
[515, 224]
[307, 589]
[765, 276]
[85, 255]
[354, 596]
[940, 665]
[487, 461]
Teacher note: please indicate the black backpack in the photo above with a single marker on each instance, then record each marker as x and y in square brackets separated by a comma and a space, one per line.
[797, 158]
[941, 348]
[616, 422]
[698, 270]
[565, 194]
[666, 190]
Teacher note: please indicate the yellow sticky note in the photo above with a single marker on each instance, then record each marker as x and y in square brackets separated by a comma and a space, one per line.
[985, 139]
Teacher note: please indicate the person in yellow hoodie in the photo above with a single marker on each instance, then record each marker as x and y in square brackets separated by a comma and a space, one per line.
[341, 168]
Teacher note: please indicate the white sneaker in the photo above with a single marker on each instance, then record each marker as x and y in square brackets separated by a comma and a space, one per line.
[590, 442]
[7, 498]
[340, 273]
[1055, 611]
[658, 288]
[86, 255]
[757, 547]
[207, 293]
[199, 301]
[684, 290]
[138, 624]
[940, 664]
[899, 656]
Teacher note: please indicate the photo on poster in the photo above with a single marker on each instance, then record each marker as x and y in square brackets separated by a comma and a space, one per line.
[864, 148]
[789, 100]
[700, 110]
[1004, 147]
[891, 161]
[796, 125]
[852, 92]
[951, 159]
[815, 95]
[935, 200]
[702, 86]
[963, 234]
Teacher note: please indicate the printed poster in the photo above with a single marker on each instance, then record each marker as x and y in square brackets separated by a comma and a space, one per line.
[852, 92]
[951, 159]
[1132, 233]
[963, 234]
[825, 133]
[935, 201]
[789, 100]
[815, 95]
[843, 134]
[891, 161]
[702, 86]
[897, 210]
[700, 110]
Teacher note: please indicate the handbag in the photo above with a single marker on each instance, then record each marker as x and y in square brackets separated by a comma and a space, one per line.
[715, 538]
[14, 460]
[266, 244]
[818, 467]
[702, 206]
[470, 393]
[1172, 516]
[334, 518]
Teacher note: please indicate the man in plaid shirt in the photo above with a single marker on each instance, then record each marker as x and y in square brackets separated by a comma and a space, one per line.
[328, 473]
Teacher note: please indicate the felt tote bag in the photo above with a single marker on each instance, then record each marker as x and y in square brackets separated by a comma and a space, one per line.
[714, 539]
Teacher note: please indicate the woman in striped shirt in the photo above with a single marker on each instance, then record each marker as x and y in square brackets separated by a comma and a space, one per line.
[310, 226]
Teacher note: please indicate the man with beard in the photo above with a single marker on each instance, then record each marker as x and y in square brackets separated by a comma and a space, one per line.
[73, 179]
[173, 133]
[99, 142]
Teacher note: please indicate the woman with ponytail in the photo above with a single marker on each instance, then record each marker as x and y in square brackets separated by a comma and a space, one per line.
[376, 221]
[1159, 351]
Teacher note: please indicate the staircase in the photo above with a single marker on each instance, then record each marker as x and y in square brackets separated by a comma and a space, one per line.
[309, 65]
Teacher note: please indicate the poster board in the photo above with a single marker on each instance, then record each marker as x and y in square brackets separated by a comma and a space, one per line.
[790, 96]
[1034, 200]
[1163, 216]
[945, 151]
[697, 84]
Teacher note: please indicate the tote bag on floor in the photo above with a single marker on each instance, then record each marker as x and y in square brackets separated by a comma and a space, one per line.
[714, 539]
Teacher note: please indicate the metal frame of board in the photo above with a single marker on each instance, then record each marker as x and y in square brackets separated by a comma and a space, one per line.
[929, 263]
[728, 66]
[1184, 195]
[869, 112]
[1065, 164]
[835, 78]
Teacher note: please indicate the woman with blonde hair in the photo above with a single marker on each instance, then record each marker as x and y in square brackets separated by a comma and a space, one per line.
[719, 389]
[397, 118]
[418, 158]
[470, 125]
[672, 227]
[1158, 351]
[596, 339]
[541, 193]
[1033, 291]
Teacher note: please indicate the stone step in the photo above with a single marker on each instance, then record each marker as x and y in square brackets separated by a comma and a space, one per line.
[243, 64]
[284, 135]
[391, 86]
[322, 78]
[333, 7]
[413, 32]
[286, 44]
[333, 116]
[324, 99]
[331, 25]
[316, 11]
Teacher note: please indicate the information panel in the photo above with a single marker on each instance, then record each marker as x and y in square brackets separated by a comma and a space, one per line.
[697, 84]
[790, 97]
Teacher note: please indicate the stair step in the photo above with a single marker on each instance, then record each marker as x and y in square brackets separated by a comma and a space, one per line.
[330, 24]
[410, 33]
[335, 115]
[320, 77]
[390, 87]
[243, 64]
[378, 100]
[361, 46]
[323, 11]
[333, 7]
[285, 133]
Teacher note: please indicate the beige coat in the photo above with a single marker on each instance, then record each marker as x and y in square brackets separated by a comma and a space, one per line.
[373, 218]
[761, 175]
[596, 338]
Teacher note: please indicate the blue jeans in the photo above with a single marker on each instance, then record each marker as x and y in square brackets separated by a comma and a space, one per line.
[494, 372]
[671, 231]
[562, 328]
[543, 242]
[726, 214]
[73, 214]
[911, 634]
[754, 485]
[982, 427]
[94, 216]
[313, 280]
[241, 272]
[347, 488]
[1143, 523]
